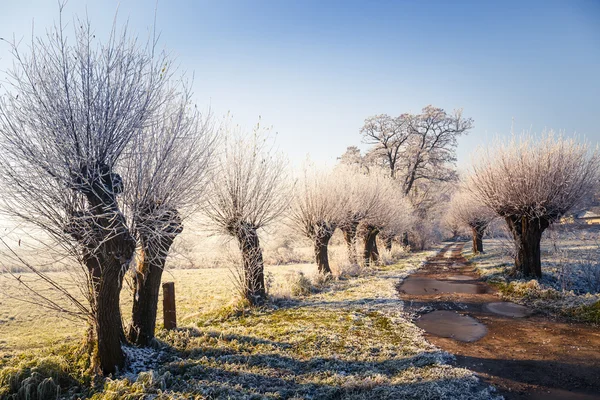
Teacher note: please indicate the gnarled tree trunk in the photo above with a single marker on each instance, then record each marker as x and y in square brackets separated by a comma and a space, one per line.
[154, 252]
[322, 236]
[107, 248]
[107, 265]
[350, 232]
[527, 233]
[371, 254]
[252, 260]
[477, 235]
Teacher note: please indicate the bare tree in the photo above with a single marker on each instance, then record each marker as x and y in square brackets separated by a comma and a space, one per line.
[419, 150]
[389, 214]
[250, 191]
[317, 210]
[531, 182]
[167, 170]
[362, 198]
[471, 213]
[70, 111]
[431, 151]
[389, 135]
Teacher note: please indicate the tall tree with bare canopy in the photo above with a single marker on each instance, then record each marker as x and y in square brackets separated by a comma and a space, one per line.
[167, 170]
[531, 182]
[249, 192]
[70, 111]
[471, 213]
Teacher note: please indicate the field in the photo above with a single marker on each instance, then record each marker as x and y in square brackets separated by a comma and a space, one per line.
[343, 338]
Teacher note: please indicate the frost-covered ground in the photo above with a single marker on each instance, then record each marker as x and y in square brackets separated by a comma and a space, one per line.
[347, 338]
[570, 269]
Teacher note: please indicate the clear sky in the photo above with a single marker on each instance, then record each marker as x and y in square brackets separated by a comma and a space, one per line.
[315, 69]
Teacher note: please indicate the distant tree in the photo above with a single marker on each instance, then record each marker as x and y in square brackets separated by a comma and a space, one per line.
[389, 136]
[362, 200]
[416, 147]
[431, 151]
[531, 182]
[167, 170]
[70, 110]
[420, 152]
[250, 191]
[317, 210]
[471, 213]
[390, 214]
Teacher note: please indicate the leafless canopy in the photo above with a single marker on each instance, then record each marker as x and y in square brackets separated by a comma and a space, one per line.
[535, 177]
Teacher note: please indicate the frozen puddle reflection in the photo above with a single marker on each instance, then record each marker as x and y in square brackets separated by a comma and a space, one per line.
[508, 309]
[450, 324]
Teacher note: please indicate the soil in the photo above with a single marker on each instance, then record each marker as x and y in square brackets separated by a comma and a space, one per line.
[524, 354]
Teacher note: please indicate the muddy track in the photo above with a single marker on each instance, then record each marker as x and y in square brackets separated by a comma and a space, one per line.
[523, 354]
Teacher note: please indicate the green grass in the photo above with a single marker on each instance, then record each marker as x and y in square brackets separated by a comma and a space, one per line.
[347, 338]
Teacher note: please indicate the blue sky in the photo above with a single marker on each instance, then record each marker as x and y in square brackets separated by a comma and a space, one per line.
[315, 69]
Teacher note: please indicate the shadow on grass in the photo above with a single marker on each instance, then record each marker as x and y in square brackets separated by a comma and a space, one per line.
[546, 373]
[237, 372]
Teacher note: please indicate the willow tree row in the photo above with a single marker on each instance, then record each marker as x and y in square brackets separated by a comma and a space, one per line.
[359, 204]
[104, 158]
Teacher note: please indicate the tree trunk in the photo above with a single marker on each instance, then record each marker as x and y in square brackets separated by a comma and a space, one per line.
[350, 231]
[107, 265]
[388, 243]
[371, 254]
[405, 241]
[477, 239]
[252, 260]
[147, 279]
[147, 286]
[107, 248]
[527, 233]
[321, 242]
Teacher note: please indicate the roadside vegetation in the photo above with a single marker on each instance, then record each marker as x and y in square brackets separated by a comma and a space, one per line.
[570, 285]
[345, 338]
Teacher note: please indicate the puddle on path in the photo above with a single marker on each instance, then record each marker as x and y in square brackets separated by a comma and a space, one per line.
[460, 278]
[508, 309]
[424, 286]
[450, 324]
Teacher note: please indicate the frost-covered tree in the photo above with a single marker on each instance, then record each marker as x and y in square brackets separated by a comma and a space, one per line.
[166, 173]
[362, 197]
[390, 214]
[471, 213]
[317, 210]
[388, 135]
[531, 182]
[249, 192]
[70, 110]
[416, 147]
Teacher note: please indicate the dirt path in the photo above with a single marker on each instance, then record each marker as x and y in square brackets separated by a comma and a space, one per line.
[525, 357]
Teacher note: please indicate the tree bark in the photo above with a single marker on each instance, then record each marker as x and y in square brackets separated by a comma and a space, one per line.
[477, 233]
[405, 241]
[253, 265]
[107, 265]
[322, 237]
[388, 243]
[148, 274]
[147, 286]
[350, 231]
[107, 248]
[371, 254]
[527, 233]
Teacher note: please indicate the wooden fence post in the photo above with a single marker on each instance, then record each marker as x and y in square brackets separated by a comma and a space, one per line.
[169, 314]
